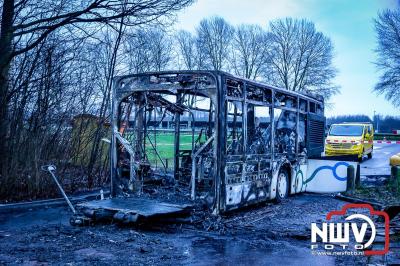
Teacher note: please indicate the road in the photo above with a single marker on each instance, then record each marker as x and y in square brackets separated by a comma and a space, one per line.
[379, 163]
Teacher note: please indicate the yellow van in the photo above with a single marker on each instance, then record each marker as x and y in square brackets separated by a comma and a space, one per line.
[350, 139]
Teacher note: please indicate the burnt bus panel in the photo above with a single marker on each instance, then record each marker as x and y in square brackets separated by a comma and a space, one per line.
[247, 193]
[227, 178]
[315, 135]
[133, 209]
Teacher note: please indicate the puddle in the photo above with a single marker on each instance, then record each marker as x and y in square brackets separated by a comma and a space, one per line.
[230, 251]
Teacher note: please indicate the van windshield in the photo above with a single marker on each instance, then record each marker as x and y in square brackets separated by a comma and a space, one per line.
[346, 130]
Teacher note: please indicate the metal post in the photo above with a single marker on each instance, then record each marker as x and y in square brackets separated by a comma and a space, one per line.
[139, 128]
[358, 176]
[50, 169]
[245, 129]
[272, 126]
[220, 145]
[375, 120]
[350, 180]
[193, 178]
[177, 135]
[297, 126]
[113, 148]
[377, 124]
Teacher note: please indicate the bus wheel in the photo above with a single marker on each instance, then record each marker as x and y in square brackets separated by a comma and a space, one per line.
[282, 186]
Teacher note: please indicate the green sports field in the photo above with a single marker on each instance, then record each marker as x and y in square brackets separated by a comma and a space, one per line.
[164, 142]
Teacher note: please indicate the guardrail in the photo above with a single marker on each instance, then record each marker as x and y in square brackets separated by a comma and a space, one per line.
[10, 207]
[386, 136]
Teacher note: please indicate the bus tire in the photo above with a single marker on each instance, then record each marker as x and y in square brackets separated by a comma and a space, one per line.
[282, 186]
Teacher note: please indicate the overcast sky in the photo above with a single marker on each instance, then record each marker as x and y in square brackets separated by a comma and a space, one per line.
[348, 23]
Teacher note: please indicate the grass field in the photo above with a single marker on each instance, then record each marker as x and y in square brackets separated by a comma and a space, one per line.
[164, 142]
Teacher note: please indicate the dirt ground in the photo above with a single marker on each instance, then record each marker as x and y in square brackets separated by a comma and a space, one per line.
[268, 234]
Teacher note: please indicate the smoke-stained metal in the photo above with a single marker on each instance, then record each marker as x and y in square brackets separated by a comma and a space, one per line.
[225, 138]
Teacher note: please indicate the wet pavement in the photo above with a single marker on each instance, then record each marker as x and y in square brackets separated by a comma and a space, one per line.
[269, 234]
[379, 163]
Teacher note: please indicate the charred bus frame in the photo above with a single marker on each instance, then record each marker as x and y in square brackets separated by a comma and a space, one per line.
[245, 139]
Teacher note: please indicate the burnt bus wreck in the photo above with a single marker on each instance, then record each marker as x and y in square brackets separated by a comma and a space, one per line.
[227, 141]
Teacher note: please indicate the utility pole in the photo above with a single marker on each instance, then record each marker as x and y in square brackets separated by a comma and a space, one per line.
[376, 118]
[377, 123]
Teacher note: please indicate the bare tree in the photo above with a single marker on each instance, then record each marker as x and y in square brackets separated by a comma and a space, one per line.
[148, 50]
[201, 58]
[137, 52]
[214, 37]
[250, 51]
[387, 27]
[300, 58]
[25, 24]
[40, 98]
[187, 49]
[112, 51]
[160, 46]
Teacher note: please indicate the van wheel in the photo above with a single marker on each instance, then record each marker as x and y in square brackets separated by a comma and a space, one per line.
[360, 159]
[282, 186]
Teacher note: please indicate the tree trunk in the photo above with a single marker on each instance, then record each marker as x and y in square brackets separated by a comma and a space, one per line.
[104, 107]
[6, 37]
